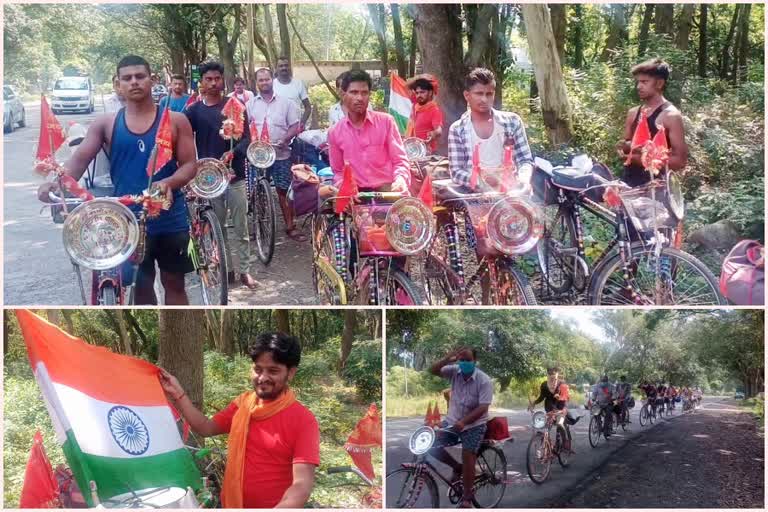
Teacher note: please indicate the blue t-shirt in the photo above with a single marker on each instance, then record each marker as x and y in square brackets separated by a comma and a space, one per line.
[177, 104]
[128, 158]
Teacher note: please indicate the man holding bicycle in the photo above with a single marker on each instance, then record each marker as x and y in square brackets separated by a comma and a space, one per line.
[465, 423]
[128, 135]
[274, 441]
[554, 393]
[207, 118]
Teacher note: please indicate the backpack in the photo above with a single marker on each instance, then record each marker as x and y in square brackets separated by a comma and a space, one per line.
[742, 278]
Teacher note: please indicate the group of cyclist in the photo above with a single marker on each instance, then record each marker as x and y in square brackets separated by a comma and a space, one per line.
[662, 396]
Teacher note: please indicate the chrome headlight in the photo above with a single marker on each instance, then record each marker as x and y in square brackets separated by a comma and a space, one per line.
[415, 148]
[539, 420]
[421, 440]
[261, 154]
[211, 179]
[595, 411]
[101, 234]
[514, 225]
[409, 226]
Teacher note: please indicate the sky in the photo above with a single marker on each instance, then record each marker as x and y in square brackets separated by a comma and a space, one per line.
[581, 318]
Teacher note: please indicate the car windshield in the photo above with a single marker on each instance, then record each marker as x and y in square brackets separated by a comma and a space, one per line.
[71, 83]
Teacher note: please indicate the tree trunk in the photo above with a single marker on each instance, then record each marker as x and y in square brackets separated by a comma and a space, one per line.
[226, 333]
[479, 37]
[703, 41]
[412, 56]
[578, 38]
[402, 65]
[53, 316]
[181, 349]
[557, 15]
[442, 55]
[67, 314]
[618, 32]
[684, 27]
[123, 331]
[7, 329]
[249, 78]
[347, 336]
[283, 322]
[212, 326]
[177, 61]
[379, 24]
[665, 19]
[315, 329]
[725, 60]
[269, 29]
[285, 35]
[549, 76]
[227, 45]
[743, 46]
[137, 329]
[645, 27]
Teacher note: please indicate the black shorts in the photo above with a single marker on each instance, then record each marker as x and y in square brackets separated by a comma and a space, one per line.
[170, 252]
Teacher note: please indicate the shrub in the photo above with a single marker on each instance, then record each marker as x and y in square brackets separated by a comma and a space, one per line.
[363, 370]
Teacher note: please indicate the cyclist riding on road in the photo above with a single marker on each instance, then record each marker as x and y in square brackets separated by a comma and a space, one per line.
[603, 394]
[554, 393]
[623, 394]
[661, 399]
[465, 423]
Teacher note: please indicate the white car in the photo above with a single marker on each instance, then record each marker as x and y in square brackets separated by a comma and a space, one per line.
[73, 93]
[13, 110]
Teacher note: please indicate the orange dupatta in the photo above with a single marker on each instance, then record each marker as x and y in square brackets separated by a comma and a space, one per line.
[249, 406]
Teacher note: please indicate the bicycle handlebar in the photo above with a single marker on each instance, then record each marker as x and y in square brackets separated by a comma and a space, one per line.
[349, 469]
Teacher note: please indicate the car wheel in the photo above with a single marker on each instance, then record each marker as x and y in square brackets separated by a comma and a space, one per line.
[8, 127]
[23, 121]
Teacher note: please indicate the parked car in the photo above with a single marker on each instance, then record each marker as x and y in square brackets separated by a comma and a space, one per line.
[74, 94]
[13, 110]
[739, 395]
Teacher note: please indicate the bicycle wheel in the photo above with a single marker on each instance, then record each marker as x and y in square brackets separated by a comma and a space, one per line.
[491, 483]
[557, 251]
[537, 459]
[107, 295]
[441, 285]
[513, 286]
[395, 289]
[595, 431]
[675, 278]
[410, 488]
[327, 282]
[212, 260]
[624, 420]
[263, 220]
[563, 455]
[644, 415]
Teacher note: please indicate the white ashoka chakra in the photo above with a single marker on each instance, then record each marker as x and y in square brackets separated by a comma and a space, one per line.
[128, 431]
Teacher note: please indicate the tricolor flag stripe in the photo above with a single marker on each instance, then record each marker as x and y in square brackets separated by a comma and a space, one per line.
[399, 101]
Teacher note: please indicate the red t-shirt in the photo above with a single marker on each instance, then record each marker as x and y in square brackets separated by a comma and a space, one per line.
[273, 446]
[425, 122]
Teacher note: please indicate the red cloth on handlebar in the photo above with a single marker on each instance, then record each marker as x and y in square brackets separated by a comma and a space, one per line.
[367, 435]
[69, 184]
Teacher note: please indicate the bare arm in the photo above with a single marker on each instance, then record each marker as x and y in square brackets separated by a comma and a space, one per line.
[297, 494]
[199, 422]
[474, 415]
[449, 359]
[678, 151]
[623, 147]
[307, 111]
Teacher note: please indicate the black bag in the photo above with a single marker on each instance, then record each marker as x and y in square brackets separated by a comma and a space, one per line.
[543, 190]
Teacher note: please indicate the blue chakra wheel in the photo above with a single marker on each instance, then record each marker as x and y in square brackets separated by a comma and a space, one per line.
[128, 430]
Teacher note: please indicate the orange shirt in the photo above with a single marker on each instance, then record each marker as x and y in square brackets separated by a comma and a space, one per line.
[426, 120]
[274, 445]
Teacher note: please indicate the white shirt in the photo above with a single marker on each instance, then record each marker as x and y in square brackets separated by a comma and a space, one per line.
[244, 98]
[492, 148]
[336, 113]
[112, 103]
[295, 90]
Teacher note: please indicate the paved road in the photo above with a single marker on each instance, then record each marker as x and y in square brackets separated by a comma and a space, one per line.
[38, 272]
[521, 491]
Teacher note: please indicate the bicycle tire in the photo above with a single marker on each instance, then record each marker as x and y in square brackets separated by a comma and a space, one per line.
[595, 431]
[219, 294]
[107, 295]
[547, 249]
[514, 288]
[322, 252]
[499, 482]
[263, 220]
[537, 441]
[612, 264]
[644, 415]
[428, 481]
[441, 286]
[562, 457]
[396, 281]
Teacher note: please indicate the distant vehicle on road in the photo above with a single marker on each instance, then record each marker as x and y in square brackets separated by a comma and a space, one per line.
[13, 110]
[73, 94]
[739, 395]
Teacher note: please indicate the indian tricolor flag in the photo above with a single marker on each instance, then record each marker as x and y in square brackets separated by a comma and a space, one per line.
[109, 412]
[399, 101]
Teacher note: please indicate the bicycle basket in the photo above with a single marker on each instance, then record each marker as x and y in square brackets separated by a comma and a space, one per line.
[369, 223]
[211, 180]
[646, 209]
[497, 429]
[507, 226]
[403, 228]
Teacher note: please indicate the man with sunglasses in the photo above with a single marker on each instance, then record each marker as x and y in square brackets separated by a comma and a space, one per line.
[465, 423]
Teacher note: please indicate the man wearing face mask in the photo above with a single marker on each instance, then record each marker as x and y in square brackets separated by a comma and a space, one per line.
[465, 423]
[274, 441]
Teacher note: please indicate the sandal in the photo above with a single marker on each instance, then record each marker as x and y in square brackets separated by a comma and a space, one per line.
[295, 235]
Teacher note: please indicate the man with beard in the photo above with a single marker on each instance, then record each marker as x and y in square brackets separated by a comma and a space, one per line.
[369, 141]
[240, 92]
[274, 441]
[426, 121]
[281, 117]
[129, 136]
[178, 98]
[650, 80]
[206, 119]
[292, 89]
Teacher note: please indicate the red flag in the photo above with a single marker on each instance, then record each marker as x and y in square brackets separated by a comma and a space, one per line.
[163, 144]
[428, 416]
[367, 435]
[475, 167]
[253, 131]
[192, 99]
[233, 127]
[436, 419]
[347, 190]
[425, 194]
[52, 135]
[656, 155]
[40, 488]
[265, 131]
[641, 136]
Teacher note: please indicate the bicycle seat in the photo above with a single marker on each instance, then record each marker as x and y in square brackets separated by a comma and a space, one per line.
[572, 178]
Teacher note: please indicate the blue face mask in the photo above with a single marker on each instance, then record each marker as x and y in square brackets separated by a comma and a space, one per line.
[467, 367]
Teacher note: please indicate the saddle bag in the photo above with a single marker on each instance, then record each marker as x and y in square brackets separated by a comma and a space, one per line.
[303, 194]
[742, 278]
[497, 429]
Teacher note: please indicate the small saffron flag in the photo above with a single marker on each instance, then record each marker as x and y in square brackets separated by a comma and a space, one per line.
[641, 136]
[52, 135]
[347, 190]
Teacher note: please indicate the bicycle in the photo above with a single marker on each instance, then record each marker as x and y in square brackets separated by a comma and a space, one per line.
[207, 248]
[647, 413]
[542, 450]
[499, 226]
[411, 479]
[601, 423]
[622, 419]
[261, 202]
[371, 499]
[645, 271]
[362, 256]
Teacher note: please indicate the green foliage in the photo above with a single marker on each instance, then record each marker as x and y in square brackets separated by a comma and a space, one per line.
[363, 369]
